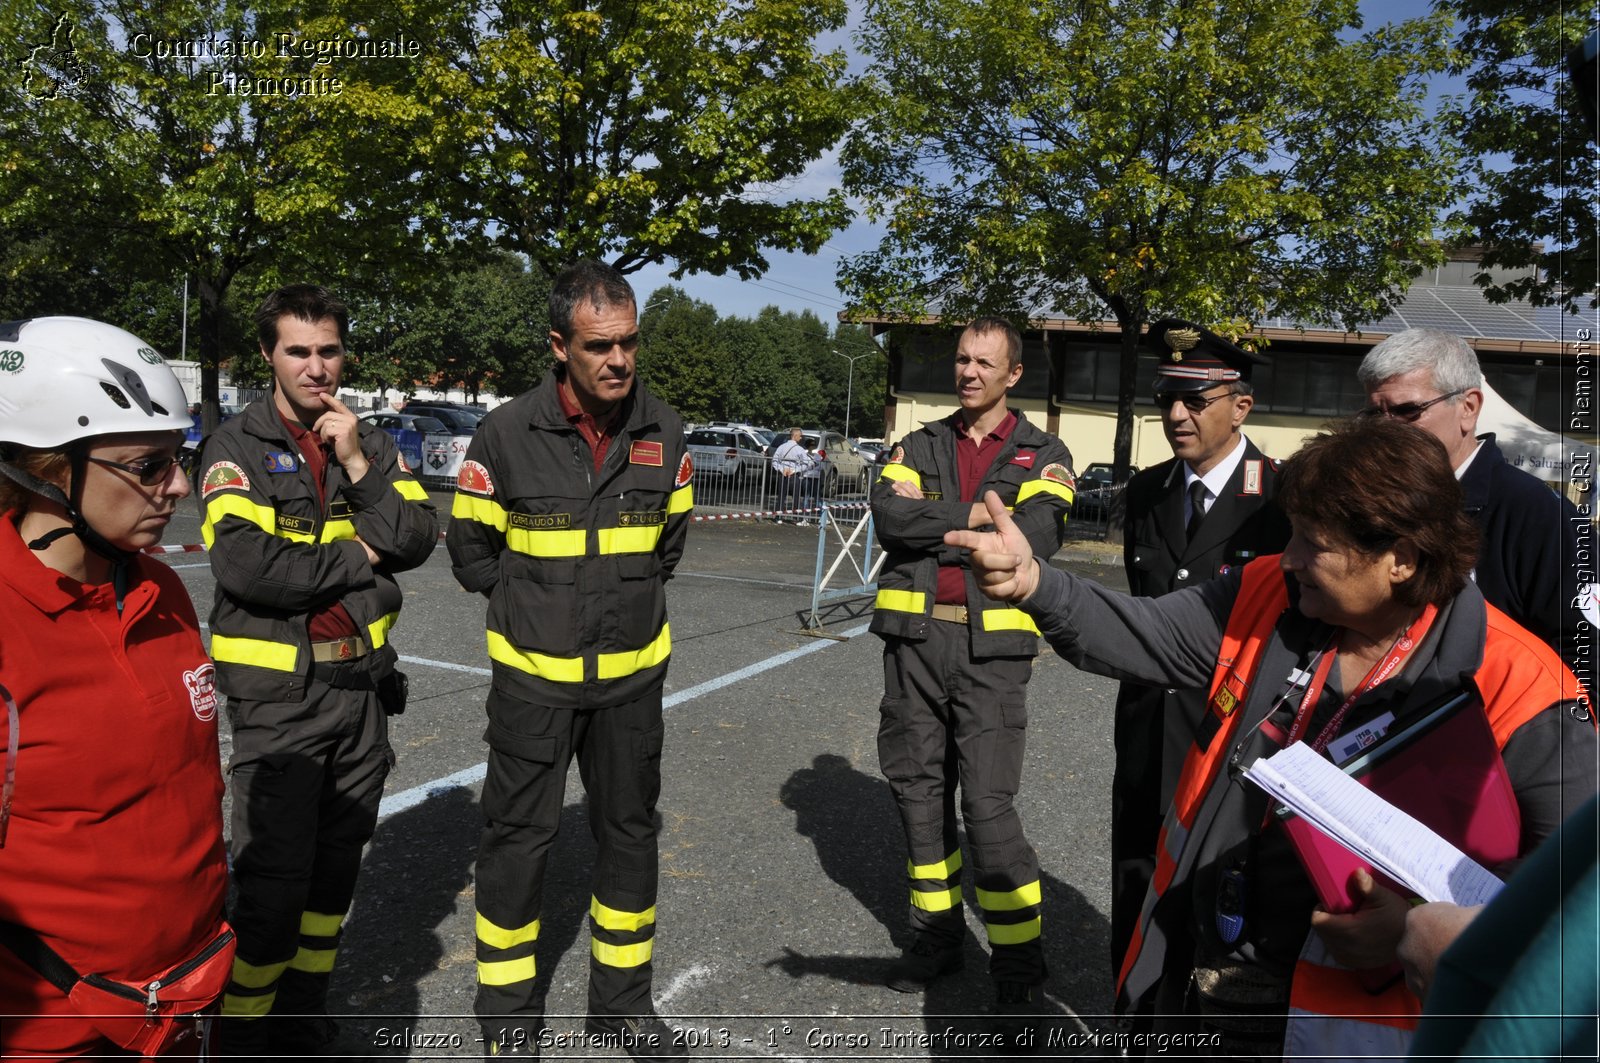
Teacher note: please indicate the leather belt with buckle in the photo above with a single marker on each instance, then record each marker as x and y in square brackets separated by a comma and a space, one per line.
[955, 614]
[346, 649]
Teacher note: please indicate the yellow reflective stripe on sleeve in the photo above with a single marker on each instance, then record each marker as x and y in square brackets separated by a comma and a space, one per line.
[1034, 487]
[499, 937]
[505, 972]
[320, 924]
[630, 540]
[941, 870]
[613, 919]
[1008, 620]
[617, 665]
[1013, 933]
[250, 976]
[476, 507]
[555, 669]
[278, 656]
[936, 900]
[338, 530]
[621, 955]
[410, 490]
[233, 504]
[900, 472]
[313, 961]
[247, 1007]
[681, 500]
[1009, 900]
[902, 601]
[568, 543]
[378, 630]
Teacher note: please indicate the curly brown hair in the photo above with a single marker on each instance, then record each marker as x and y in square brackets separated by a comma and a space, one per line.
[1369, 484]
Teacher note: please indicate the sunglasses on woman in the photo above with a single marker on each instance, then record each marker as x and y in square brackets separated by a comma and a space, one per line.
[152, 471]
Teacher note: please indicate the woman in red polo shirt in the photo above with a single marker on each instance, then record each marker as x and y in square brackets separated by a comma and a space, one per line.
[111, 857]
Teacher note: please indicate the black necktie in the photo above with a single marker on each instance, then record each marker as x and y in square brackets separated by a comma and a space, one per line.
[1197, 508]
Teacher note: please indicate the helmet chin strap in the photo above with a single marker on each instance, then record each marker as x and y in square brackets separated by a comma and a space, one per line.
[92, 539]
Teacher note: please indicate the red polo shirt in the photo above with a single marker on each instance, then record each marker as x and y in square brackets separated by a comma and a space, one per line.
[597, 435]
[331, 621]
[973, 461]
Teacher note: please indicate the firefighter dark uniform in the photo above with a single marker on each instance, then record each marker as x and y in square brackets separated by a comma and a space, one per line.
[1152, 732]
[310, 739]
[574, 562]
[955, 682]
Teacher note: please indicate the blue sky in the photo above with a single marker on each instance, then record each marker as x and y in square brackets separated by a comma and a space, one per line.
[801, 282]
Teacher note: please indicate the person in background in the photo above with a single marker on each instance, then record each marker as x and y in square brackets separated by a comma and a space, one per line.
[1364, 623]
[956, 668]
[309, 514]
[790, 461]
[111, 857]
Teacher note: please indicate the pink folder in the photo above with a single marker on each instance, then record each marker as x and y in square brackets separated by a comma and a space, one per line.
[1444, 770]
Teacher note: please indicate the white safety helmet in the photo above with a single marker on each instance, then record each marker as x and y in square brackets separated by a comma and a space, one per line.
[68, 378]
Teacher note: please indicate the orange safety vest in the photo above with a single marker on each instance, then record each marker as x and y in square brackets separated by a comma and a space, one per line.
[1519, 678]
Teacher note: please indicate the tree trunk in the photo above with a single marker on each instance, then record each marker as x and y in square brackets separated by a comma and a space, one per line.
[210, 354]
[1122, 449]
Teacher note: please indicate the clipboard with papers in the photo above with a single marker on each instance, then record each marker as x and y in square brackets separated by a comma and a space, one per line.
[1425, 808]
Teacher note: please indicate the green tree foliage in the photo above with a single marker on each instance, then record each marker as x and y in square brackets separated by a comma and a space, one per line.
[682, 357]
[1132, 158]
[1533, 186]
[638, 130]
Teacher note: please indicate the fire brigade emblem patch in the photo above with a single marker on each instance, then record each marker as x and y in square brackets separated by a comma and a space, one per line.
[685, 472]
[400, 459]
[645, 452]
[474, 478]
[897, 456]
[222, 476]
[202, 686]
[1057, 473]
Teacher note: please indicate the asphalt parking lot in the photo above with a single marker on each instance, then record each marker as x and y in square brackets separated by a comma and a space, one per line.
[782, 889]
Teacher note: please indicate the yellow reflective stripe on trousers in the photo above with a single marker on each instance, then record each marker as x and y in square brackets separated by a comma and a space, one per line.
[555, 669]
[893, 471]
[1048, 487]
[320, 924]
[630, 540]
[621, 955]
[1008, 620]
[233, 504]
[480, 509]
[1013, 933]
[313, 961]
[252, 977]
[681, 500]
[567, 543]
[943, 869]
[410, 490]
[278, 656]
[902, 601]
[499, 937]
[378, 630]
[506, 972]
[236, 1006]
[936, 900]
[1009, 900]
[614, 919]
[617, 665]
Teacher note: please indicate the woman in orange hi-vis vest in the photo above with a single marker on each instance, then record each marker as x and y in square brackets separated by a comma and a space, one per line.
[1367, 620]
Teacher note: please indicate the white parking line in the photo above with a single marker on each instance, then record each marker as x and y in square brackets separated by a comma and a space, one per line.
[469, 776]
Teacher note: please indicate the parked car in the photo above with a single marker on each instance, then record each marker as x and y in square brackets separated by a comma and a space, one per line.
[459, 419]
[737, 455]
[842, 467]
[407, 421]
[1095, 491]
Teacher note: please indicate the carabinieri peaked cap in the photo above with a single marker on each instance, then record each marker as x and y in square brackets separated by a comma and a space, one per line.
[1195, 358]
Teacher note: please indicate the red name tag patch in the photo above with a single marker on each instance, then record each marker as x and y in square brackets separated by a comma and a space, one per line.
[645, 452]
[1023, 458]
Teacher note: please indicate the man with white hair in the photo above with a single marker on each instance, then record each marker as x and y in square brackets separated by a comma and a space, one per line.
[1526, 561]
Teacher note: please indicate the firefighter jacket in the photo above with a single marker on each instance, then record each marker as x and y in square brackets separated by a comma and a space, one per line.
[278, 553]
[113, 853]
[574, 561]
[1033, 476]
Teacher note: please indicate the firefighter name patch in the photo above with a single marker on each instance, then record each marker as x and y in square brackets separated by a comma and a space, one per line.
[685, 472]
[222, 476]
[642, 519]
[474, 478]
[540, 521]
[645, 452]
[201, 683]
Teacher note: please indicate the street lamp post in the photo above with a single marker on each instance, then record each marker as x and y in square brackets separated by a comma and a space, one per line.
[849, 383]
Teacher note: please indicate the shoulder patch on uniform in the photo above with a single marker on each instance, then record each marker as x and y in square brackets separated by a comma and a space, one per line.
[685, 472]
[400, 459]
[474, 479]
[201, 683]
[897, 456]
[223, 476]
[1058, 473]
[280, 461]
[645, 452]
[1024, 458]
